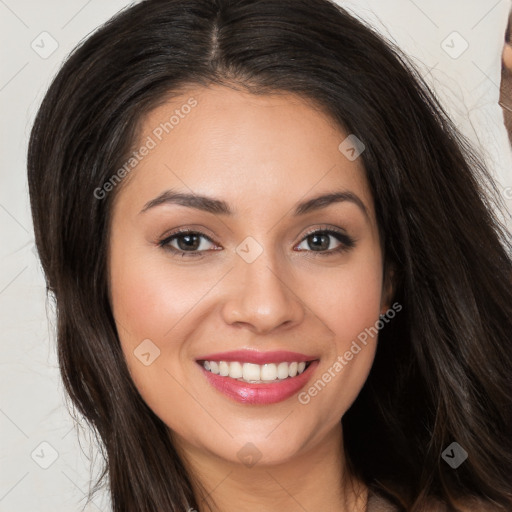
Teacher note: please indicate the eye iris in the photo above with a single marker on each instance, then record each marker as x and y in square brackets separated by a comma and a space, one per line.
[317, 237]
[192, 242]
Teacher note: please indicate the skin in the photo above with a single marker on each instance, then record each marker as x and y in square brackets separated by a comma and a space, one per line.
[262, 155]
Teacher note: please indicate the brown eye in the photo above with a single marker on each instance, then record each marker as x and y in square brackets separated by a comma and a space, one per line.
[320, 242]
[189, 243]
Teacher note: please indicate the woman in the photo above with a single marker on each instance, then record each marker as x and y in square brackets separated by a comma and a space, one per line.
[231, 201]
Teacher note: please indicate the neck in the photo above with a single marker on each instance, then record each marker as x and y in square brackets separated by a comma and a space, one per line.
[317, 479]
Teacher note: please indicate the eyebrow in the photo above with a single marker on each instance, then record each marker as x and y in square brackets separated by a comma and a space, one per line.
[220, 207]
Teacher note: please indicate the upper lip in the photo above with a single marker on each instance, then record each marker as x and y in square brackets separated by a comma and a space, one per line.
[257, 357]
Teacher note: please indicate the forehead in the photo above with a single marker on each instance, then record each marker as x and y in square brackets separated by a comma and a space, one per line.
[245, 147]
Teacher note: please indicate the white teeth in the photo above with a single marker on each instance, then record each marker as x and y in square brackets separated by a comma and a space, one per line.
[251, 371]
[282, 371]
[235, 370]
[255, 373]
[223, 368]
[268, 372]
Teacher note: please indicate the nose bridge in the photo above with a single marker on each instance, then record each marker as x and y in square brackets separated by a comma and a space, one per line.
[263, 294]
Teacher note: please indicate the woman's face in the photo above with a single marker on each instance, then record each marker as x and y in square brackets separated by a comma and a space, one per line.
[263, 278]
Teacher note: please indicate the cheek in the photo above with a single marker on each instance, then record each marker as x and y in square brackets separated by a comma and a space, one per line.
[351, 310]
[154, 299]
[359, 301]
[349, 299]
[148, 300]
[147, 303]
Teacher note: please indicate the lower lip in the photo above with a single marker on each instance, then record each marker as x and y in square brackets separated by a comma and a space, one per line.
[270, 393]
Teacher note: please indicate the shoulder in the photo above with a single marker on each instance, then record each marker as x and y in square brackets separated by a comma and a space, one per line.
[466, 504]
[477, 505]
[378, 503]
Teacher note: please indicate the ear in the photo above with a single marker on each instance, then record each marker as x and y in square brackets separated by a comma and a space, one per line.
[388, 288]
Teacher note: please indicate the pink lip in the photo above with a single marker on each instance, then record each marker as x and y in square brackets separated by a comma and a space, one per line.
[256, 357]
[265, 393]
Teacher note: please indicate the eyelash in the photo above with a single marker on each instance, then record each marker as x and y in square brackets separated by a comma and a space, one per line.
[346, 242]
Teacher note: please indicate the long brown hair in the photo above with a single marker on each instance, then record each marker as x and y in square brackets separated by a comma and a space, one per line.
[443, 368]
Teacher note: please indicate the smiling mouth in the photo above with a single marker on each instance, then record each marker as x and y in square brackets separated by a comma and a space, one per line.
[256, 373]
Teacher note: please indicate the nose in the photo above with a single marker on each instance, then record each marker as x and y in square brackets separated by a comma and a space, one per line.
[262, 296]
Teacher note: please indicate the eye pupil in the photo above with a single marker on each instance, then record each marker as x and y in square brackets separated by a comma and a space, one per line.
[192, 242]
[322, 246]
